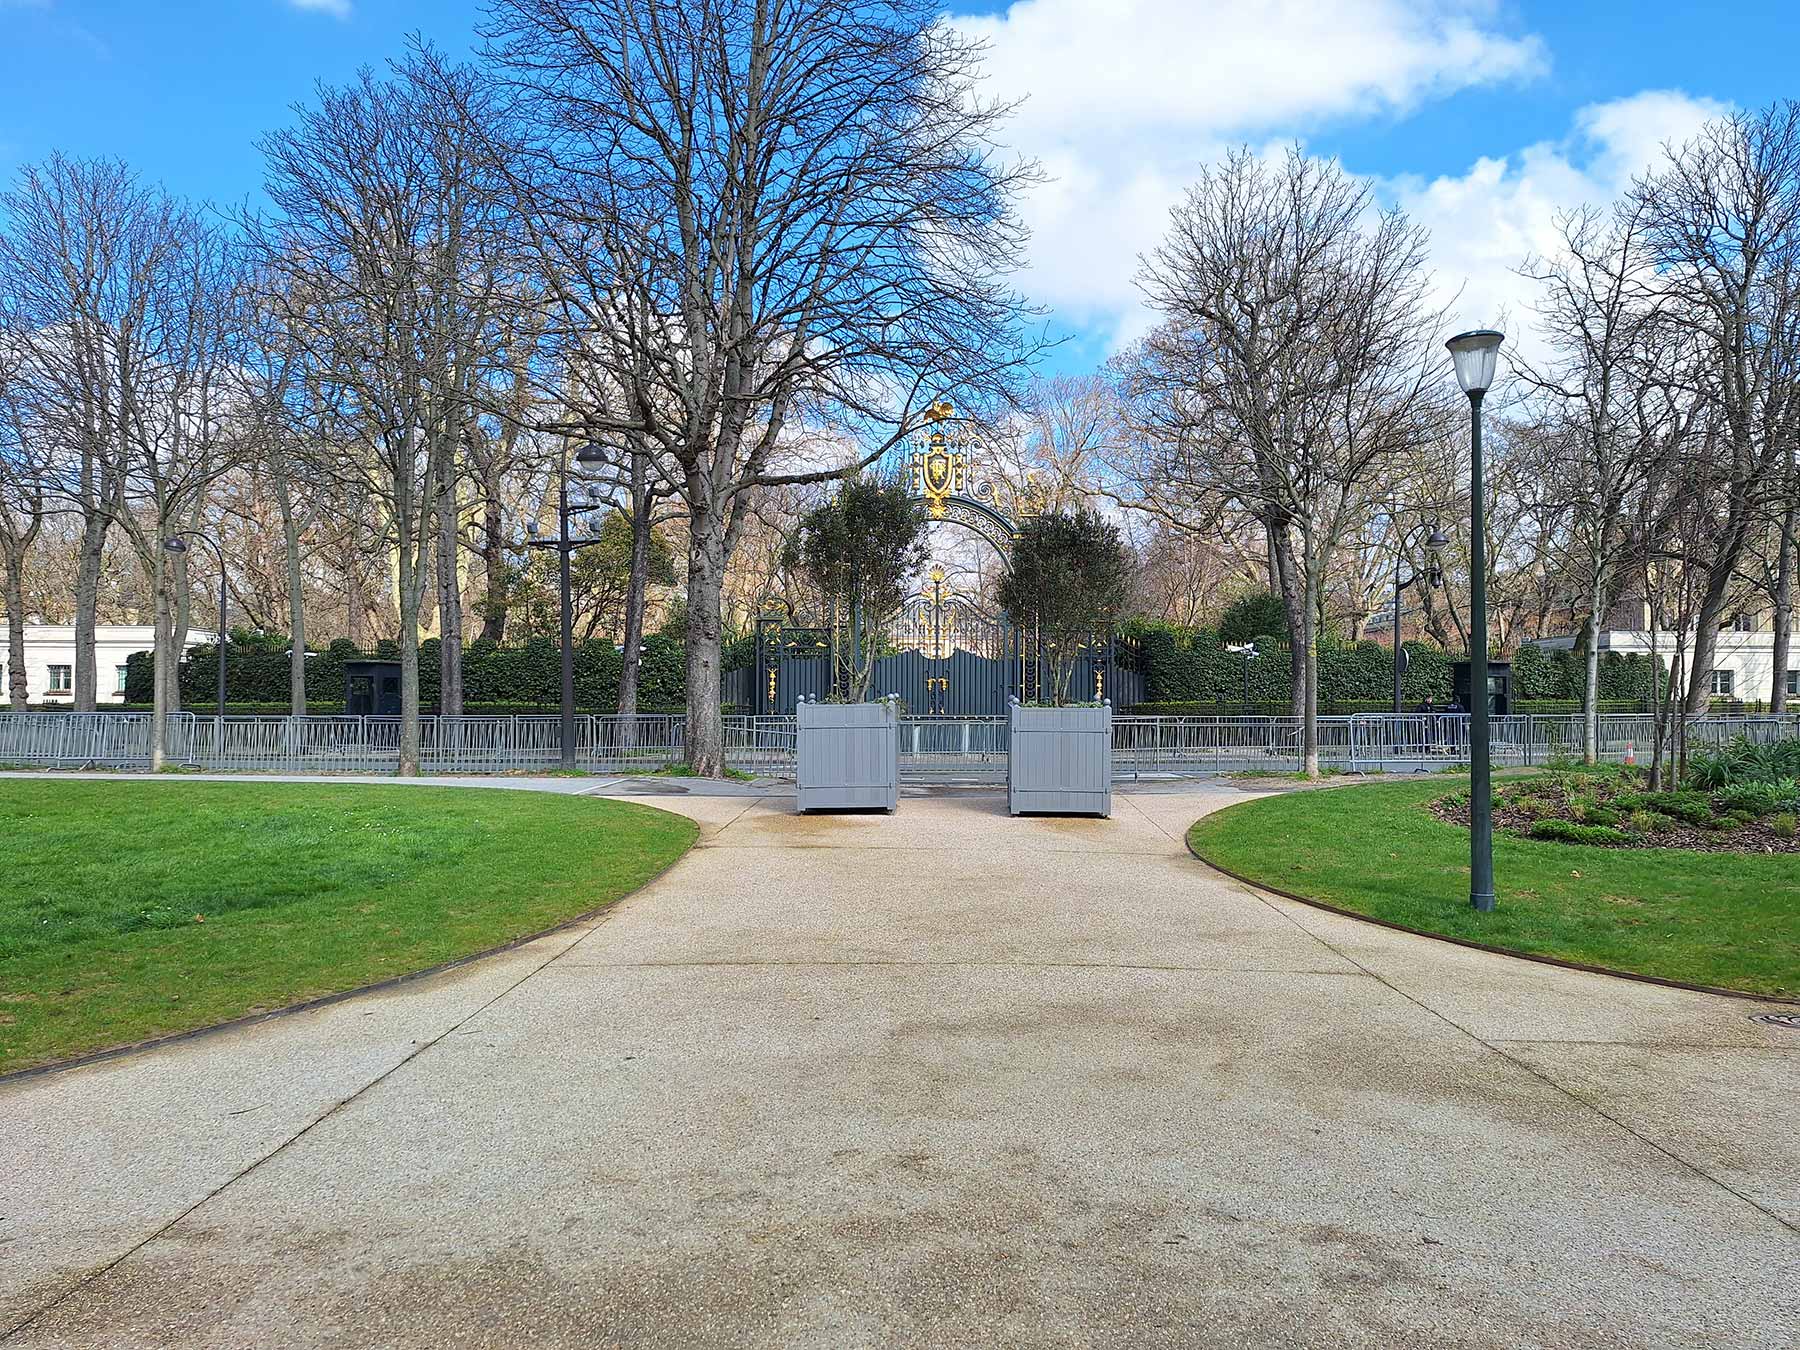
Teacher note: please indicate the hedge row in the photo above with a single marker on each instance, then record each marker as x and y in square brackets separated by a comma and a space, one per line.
[1191, 666]
[522, 678]
[1185, 666]
[1538, 674]
[1227, 707]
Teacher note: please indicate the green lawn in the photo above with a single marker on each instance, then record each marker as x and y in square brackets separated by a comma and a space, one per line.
[1721, 919]
[130, 910]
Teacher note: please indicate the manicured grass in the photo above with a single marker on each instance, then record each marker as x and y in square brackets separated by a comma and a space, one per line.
[130, 910]
[1727, 920]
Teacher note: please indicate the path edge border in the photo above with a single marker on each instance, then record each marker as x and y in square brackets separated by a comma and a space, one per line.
[599, 913]
[1561, 963]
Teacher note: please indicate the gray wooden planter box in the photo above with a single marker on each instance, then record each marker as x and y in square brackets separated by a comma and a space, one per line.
[847, 756]
[1060, 760]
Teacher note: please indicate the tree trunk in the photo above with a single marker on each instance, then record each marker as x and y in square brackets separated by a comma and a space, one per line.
[1309, 681]
[1658, 686]
[1590, 684]
[450, 624]
[412, 529]
[1294, 601]
[637, 590]
[179, 605]
[165, 659]
[1706, 642]
[15, 628]
[1784, 602]
[493, 566]
[296, 597]
[1720, 572]
[409, 667]
[356, 604]
[705, 642]
[87, 602]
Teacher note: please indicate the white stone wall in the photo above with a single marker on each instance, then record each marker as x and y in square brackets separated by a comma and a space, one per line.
[53, 645]
[1750, 657]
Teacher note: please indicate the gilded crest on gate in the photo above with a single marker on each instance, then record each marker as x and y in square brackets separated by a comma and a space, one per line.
[940, 470]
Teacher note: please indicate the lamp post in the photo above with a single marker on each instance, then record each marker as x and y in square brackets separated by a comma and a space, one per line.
[565, 548]
[178, 544]
[1431, 576]
[1476, 356]
[1247, 652]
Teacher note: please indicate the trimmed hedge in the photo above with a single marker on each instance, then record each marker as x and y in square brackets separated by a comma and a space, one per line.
[1624, 679]
[522, 678]
[1185, 666]
[1189, 670]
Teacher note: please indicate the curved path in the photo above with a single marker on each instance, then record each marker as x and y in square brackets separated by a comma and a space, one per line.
[945, 1079]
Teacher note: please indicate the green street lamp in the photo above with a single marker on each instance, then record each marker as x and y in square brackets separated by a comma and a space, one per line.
[586, 458]
[1432, 576]
[178, 544]
[1476, 355]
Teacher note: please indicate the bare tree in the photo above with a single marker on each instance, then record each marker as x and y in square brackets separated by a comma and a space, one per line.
[777, 228]
[1297, 356]
[1782, 591]
[382, 251]
[76, 248]
[500, 450]
[1188, 578]
[291, 456]
[23, 508]
[1721, 230]
[641, 497]
[182, 417]
[1052, 454]
[1604, 418]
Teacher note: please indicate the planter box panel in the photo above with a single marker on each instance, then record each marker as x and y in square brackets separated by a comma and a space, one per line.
[845, 799]
[1060, 803]
[847, 757]
[1060, 761]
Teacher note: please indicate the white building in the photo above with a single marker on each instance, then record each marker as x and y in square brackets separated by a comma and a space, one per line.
[50, 660]
[1743, 661]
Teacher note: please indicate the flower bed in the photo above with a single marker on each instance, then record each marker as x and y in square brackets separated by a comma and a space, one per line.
[1617, 810]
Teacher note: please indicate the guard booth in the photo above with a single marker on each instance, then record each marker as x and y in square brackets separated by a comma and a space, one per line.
[1499, 686]
[372, 688]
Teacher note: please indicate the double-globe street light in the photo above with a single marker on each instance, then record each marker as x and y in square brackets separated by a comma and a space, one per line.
[1432, 576]
[565, 547]
[178, 544]
[1476, 356]
[1246, 653]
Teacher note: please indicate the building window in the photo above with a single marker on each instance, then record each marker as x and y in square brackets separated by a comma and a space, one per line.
[1794, 683]
[1723, 683]
[62, 679]
[120, 687]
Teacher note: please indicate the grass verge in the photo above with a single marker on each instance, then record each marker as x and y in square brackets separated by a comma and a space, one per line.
[134, 910]
[1731, 921]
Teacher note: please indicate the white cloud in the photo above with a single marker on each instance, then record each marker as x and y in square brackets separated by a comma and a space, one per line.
[1484, 223]
[1124, 99]
[339, 9]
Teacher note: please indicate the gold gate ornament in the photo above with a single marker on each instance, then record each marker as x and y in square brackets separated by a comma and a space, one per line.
[939, 470]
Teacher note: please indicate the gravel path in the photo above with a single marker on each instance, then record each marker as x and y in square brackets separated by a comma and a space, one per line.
[939, 1079]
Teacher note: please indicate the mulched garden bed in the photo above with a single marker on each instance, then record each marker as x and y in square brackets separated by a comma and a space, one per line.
[1616, 810]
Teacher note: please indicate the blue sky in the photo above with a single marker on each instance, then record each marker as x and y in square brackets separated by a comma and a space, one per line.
[1481, 118]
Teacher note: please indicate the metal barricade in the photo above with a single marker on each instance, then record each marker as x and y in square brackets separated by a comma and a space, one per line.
[931, 748]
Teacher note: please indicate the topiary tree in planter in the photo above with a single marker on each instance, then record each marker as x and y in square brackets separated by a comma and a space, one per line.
[1070, 579]
[861, 550]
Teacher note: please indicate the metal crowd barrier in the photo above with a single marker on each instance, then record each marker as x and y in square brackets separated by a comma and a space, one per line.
[931, 748]
[62, 740]
[1421, 742]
